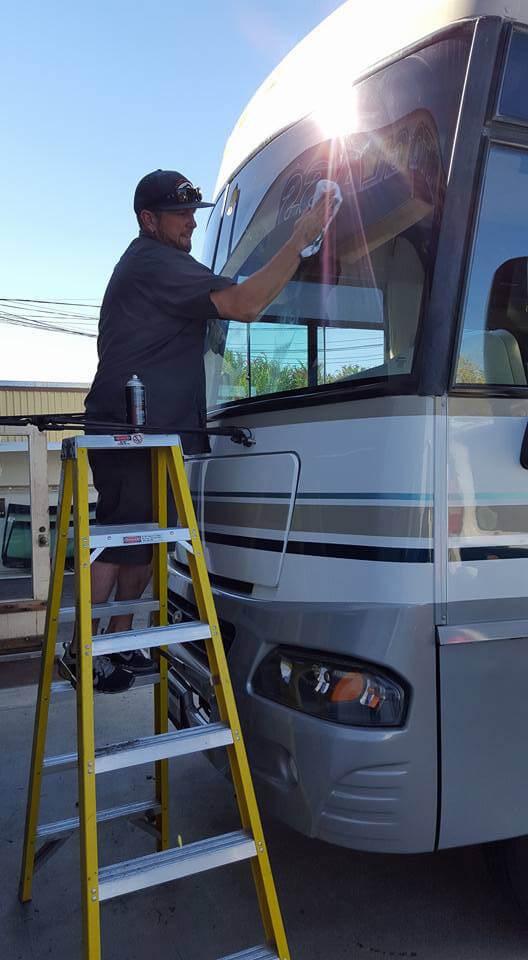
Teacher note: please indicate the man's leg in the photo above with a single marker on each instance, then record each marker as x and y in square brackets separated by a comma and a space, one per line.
[103, 577]
[132, 579]
[131, 582]
[108, 676]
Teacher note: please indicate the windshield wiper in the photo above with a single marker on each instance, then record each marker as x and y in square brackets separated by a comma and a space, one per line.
[65, 421]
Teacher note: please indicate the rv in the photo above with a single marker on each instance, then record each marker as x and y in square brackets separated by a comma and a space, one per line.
[368, 550]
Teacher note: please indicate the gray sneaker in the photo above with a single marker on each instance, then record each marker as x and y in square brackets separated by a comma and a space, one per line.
[107, 676]
[134, 660]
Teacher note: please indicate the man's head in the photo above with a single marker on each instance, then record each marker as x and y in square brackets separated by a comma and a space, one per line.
[164, 203]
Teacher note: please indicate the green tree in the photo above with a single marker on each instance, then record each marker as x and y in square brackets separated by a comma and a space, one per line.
[273, 375]
[348, 370]
[469, 372]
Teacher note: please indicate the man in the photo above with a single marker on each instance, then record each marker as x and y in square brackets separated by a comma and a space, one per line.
[153, 324]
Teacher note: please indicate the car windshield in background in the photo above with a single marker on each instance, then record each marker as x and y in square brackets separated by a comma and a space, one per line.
[352, 311]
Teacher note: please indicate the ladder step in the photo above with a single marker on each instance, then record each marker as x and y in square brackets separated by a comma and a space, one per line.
[178, 743]
[264, 952]
[130, 535]
[150, 637]
[64, 688]
[113, 609]
[172, 864]
[113, 813]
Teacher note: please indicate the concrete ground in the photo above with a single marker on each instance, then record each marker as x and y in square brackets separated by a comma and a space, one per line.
[336, 903]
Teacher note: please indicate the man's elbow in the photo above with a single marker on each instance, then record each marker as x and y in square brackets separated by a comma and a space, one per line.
[246, 315]
[232, 306]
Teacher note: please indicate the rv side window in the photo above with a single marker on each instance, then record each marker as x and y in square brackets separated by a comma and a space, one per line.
[351, 312]
[494, 342]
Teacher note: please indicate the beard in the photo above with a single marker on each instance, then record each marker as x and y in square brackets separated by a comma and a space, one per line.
[181, 243]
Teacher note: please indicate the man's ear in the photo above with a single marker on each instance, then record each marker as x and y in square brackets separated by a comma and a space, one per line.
[148, 221]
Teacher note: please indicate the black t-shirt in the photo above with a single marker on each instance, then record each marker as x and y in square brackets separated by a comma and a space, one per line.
[153, 324]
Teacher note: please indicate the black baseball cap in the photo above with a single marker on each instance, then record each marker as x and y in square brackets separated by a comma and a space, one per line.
[167, 190]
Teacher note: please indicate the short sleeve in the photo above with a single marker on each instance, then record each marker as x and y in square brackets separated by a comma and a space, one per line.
[181, 286]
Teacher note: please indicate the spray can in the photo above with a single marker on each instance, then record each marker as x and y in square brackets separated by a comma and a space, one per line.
[136, 408]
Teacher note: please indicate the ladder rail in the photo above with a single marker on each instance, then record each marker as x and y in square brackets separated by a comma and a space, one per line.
[44, 688]
[85, 716]
[160, 591]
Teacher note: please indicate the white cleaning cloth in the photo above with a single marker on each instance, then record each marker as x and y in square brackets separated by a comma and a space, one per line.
[322, 187]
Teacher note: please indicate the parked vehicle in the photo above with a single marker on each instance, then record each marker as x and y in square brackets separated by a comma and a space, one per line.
[369, 554]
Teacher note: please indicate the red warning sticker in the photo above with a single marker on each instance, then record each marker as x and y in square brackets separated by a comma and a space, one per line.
[131, 539]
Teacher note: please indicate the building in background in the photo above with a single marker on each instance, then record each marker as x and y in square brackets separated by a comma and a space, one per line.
[26, 528]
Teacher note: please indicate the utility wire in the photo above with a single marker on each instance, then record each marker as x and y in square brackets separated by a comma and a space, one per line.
[50, 315]
[89, 301]
[27, 322]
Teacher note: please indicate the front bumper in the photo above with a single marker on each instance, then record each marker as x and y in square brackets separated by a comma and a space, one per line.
[356, 787]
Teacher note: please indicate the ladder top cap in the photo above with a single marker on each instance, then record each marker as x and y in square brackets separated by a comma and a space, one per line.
[117, 441]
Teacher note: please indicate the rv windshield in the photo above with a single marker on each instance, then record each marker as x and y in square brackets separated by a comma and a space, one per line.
[352, 311]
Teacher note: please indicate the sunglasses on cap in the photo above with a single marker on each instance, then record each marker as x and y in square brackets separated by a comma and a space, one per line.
[184, 193]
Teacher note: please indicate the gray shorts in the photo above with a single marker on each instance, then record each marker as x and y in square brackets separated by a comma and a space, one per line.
[123, 482]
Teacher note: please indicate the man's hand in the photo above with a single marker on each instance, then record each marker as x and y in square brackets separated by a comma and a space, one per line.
[310, 224]
[244, 301]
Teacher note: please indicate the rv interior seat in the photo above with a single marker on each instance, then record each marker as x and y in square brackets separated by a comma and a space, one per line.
[496, 353]
[403, 277]
[404, 287]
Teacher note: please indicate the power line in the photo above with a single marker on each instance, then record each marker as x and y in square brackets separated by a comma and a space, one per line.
[49, 315]
[92, 301]
[34, 325]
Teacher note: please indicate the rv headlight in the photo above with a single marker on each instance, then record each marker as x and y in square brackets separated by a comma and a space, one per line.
[350, 692]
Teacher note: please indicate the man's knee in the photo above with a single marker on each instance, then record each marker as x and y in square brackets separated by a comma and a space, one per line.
[133, 578]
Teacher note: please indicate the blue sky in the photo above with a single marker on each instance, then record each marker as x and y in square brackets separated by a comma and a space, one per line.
[95, 95]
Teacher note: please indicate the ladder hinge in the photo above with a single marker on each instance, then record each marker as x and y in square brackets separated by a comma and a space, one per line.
[68, 449]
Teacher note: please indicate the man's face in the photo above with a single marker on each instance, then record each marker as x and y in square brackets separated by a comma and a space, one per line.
[175, 227]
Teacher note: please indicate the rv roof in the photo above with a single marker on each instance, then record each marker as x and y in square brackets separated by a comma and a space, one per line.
[354, 37]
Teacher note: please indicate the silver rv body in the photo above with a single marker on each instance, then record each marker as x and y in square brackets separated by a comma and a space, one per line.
[369, 552]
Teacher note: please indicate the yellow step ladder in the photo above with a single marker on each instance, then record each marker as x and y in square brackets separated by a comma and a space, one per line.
[166, 864]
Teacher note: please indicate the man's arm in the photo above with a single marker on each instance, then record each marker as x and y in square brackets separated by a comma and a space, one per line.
[246, 300]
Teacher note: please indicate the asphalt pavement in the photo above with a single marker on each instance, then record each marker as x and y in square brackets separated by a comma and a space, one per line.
[336, 903]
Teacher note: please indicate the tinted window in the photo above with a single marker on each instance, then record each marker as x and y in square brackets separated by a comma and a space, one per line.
[514, 96]
[494, 342]
[212, 231]
[352, 311]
